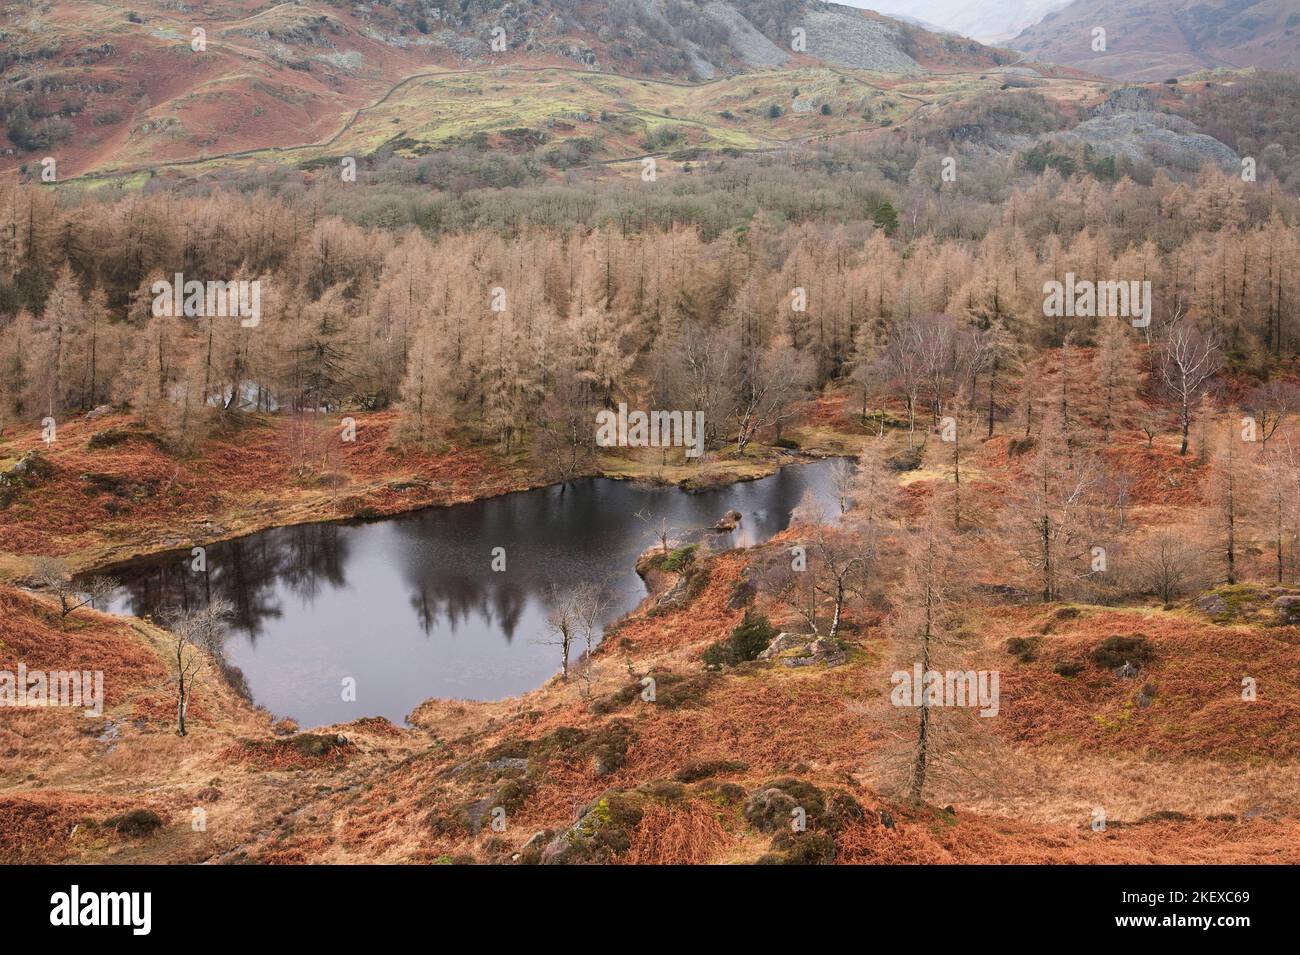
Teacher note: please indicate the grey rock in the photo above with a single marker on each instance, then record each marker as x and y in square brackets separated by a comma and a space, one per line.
[803, 649]
[1161, 138]
[1287, 609]
[783, 642]
[1211, 604]
[844, 37]
[750, 45]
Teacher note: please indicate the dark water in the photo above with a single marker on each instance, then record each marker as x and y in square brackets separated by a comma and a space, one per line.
[410, 608]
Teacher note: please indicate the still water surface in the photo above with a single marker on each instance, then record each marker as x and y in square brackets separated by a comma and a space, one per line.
[410, 608]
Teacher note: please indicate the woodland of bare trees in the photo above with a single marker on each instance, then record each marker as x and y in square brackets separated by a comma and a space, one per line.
[508, 316]
[513, 336]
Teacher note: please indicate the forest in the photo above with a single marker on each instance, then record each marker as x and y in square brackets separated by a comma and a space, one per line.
[1066, 498]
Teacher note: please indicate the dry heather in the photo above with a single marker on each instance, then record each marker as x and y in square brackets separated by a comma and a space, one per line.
[614, 778]
[111, 498]
[708, 771]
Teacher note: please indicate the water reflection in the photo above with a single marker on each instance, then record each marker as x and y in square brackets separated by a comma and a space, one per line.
[410, 608]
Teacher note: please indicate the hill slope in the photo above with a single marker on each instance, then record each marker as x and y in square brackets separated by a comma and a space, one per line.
[118, 86]
[1155, 39]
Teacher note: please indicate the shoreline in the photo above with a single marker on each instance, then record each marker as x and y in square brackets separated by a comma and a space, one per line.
[233, 525]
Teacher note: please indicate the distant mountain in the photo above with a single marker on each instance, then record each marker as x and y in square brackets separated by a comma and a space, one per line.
[989, 21]
[116, 84]
[1156, 39]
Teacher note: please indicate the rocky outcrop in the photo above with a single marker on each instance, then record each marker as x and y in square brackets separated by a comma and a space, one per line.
[804, 649]
[1160, 138]
[844, 37]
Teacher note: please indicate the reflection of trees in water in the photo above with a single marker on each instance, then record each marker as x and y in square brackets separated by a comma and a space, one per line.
[244, 572]
[444, 556]
[456, 598]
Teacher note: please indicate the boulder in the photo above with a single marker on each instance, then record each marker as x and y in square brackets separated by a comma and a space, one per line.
[803, 649]
[675, 596]
[1287, 609]
[771, 809]
[1211, 604]
[729, 521]
[827, 651]
[785, 643]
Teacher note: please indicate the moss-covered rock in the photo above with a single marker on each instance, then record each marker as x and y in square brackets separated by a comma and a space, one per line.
[771, 806]
[108, 438]
[603, 831]
[671, 691]
[800, 848]
[136, 824]
[1024, 649]
[706, 769]
[1134, 649]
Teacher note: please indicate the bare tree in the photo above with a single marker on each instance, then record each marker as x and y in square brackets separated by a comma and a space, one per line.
[839, 558]
[575, 617]
[1115, 373]
[873, 492]
[198, 645]
[770, 381]
[1186, 361]
[1270, 404]
[564, 443]
[1152, 422]
[659, 524]
[589, 603]
[1232, 497]
[1052, 515]
[53, 574]
[935, 741]
[843, 477]
[561, 629]
[1280, 494]
[1168, 564]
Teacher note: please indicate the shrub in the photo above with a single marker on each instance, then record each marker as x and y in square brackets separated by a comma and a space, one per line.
[135, 824]
[750, 638]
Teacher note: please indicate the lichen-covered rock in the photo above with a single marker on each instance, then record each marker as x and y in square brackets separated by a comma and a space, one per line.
[1211, 604]
[785, 643]
[771, 806]
[802, 649]
[603, 830]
